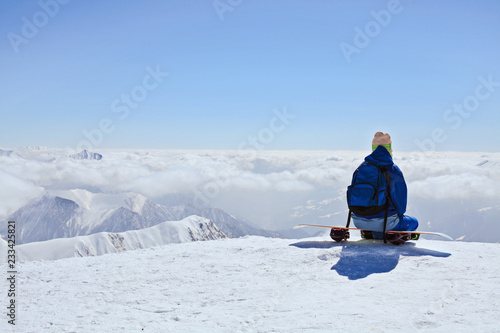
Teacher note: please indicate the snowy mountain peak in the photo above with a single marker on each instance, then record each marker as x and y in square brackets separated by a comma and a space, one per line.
[136, 202]
[35, 148]
[86, 155]
[82, 197]
[8, 153]
[46, 218]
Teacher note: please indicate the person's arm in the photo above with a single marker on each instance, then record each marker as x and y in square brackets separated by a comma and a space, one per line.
[399, 191]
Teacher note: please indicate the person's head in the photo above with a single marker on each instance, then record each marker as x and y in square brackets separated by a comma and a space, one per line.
[382, 139]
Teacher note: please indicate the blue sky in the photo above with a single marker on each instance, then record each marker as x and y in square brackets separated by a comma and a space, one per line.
[68, 67]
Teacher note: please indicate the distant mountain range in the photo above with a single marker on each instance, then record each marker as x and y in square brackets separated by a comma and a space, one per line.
[63, 214]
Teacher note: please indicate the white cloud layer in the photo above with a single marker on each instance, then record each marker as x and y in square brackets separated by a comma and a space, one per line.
[271, 189]
[15, 192]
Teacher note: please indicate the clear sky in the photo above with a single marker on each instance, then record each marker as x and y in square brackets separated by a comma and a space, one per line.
[284, 74]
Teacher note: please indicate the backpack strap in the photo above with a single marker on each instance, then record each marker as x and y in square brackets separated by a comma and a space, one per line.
[348, 219]
[387, 199]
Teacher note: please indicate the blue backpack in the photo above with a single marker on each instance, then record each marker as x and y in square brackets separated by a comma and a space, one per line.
[369, 192]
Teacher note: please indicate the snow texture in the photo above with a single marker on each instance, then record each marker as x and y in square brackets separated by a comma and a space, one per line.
[257, 284]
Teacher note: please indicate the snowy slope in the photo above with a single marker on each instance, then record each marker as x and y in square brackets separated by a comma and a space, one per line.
[193, 228]
[256, 284]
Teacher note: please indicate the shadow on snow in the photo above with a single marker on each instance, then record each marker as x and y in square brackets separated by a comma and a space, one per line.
[359, 259]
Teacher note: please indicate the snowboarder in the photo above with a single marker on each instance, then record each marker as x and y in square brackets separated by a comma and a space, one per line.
[381, 156]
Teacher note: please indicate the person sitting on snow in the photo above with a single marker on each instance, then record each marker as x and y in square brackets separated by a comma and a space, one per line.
[396, 220]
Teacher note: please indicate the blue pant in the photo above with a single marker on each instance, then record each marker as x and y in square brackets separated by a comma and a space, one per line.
[407, 223]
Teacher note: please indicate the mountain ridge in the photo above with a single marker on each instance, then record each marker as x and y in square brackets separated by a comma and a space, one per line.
[190, 229]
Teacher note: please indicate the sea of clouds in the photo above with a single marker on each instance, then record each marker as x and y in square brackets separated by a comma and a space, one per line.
[455, 193]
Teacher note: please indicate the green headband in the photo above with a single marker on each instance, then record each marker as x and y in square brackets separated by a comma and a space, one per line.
[388, 147]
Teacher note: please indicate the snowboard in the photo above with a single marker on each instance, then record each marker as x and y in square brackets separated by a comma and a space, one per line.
[388, 232]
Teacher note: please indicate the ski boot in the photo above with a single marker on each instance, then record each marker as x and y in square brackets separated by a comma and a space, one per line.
[398, 238]
[367, 234]
[339, 235]
[414, 236]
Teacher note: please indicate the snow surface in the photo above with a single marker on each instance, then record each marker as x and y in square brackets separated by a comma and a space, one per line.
[256, 284]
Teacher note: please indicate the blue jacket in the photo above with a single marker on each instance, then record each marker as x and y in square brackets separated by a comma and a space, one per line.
[382, 157]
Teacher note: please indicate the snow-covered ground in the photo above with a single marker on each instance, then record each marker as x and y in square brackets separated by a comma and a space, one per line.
[256, 284]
